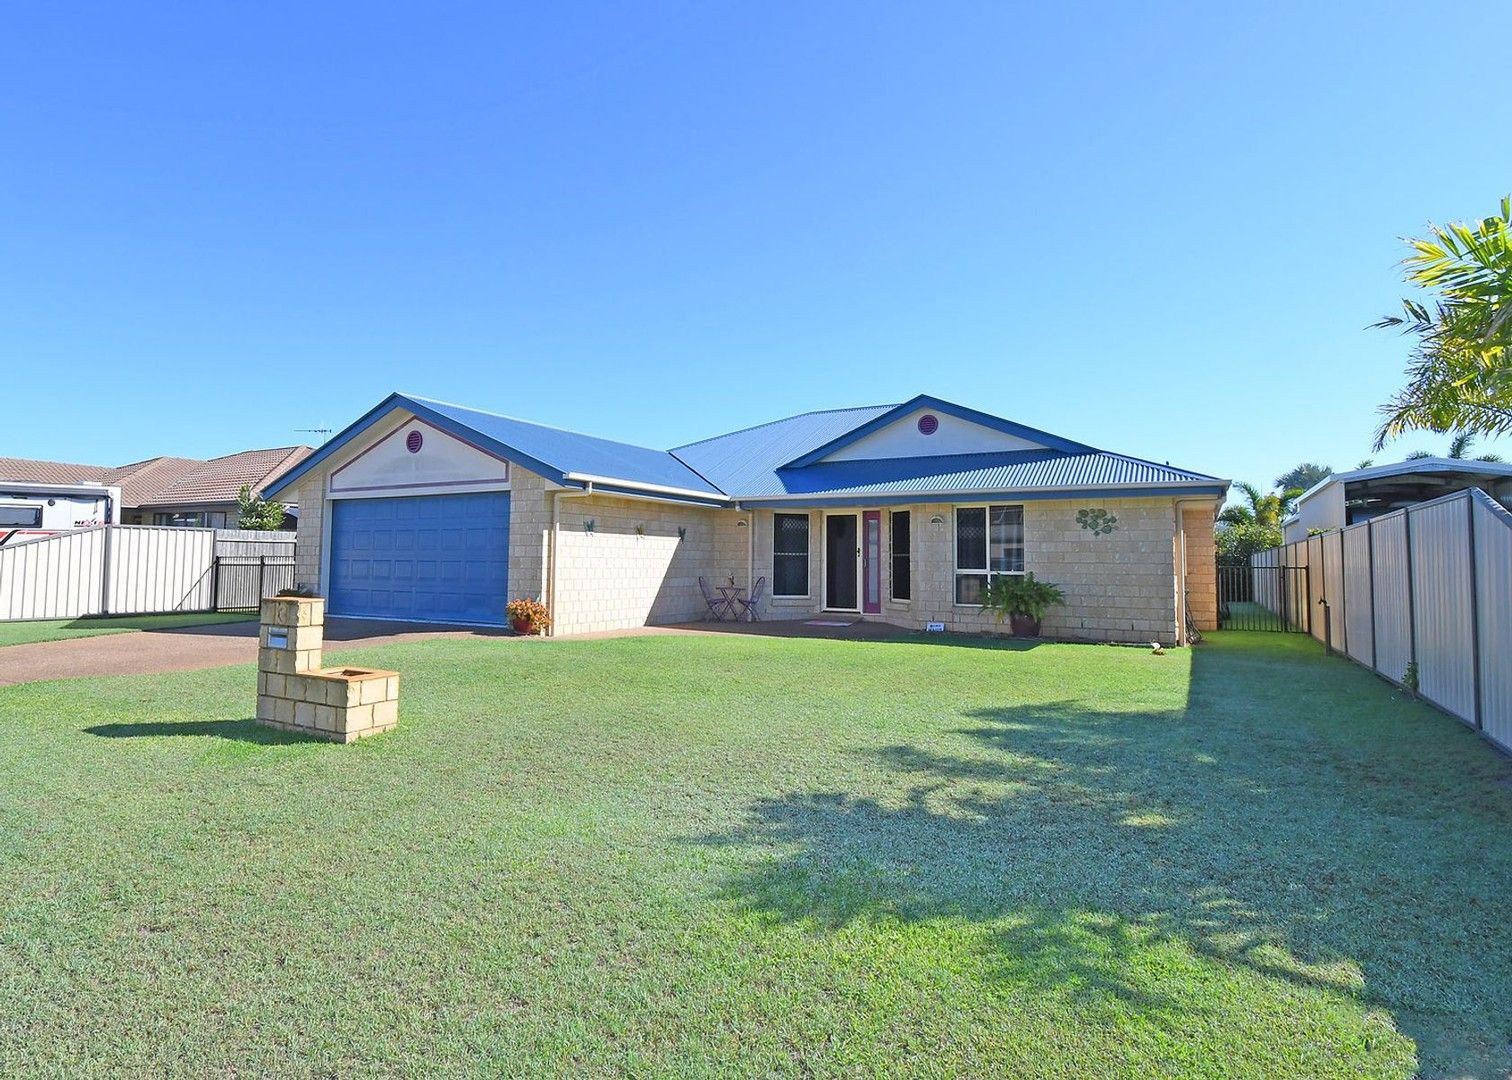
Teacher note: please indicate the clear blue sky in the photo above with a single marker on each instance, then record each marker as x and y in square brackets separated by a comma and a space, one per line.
[1156, 228]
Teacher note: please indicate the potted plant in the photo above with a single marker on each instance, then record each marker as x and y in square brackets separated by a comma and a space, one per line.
[1022, 600]
[528, 616]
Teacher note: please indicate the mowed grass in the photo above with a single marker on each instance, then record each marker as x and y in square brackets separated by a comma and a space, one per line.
[26, 633]
[736, 855]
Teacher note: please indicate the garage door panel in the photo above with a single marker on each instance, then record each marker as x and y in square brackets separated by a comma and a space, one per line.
[441, 558]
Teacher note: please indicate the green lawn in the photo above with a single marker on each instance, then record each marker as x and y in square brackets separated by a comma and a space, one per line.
[737, 855]
[25, 633]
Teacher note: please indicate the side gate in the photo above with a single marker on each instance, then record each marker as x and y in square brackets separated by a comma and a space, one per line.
[1267, 594]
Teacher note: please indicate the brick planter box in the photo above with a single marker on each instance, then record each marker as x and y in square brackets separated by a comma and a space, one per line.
[294, 693]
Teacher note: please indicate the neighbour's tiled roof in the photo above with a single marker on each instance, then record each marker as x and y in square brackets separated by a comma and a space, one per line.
[50, 472]
[221, 479]
[165, 481]
[140, 480]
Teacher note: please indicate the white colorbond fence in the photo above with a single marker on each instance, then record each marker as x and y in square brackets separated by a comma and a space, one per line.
[1426, 590]
[140, 570]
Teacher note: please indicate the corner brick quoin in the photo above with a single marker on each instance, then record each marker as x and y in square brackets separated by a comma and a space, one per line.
[294, 693]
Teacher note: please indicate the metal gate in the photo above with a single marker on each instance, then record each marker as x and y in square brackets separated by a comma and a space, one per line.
[1273, 598]
[240, 582]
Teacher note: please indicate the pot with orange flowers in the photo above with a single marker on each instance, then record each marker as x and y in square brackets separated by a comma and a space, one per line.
[528, 616]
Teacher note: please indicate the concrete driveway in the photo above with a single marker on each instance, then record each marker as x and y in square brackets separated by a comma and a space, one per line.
[191, 648]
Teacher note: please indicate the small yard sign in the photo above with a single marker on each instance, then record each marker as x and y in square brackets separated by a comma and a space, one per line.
[934, 628]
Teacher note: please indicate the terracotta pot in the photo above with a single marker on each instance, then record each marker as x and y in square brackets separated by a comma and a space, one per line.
[523, 626]
[1024, 625]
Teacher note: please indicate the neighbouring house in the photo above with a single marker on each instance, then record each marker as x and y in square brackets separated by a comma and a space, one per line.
[160, 490]
[1348, 497]
[423, 510]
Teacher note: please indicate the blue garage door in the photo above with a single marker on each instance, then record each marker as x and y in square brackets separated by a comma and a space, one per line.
[431, 558]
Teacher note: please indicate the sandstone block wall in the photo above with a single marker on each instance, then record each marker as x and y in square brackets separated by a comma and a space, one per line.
[294, 693]
[634, 567]
[1119, 587]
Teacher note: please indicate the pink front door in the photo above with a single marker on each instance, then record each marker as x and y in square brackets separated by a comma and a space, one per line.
[871, 562]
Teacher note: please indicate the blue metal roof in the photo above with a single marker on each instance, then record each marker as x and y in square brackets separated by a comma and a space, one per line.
[753, 465]
[571, 452]
[950, 408]
[744, 462]
[995, 472]
[550, 452]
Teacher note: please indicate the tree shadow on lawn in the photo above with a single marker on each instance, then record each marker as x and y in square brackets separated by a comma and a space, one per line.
[1260, 833]
[248, 731]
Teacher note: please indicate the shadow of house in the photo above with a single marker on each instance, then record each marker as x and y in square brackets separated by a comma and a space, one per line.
[1292, 822]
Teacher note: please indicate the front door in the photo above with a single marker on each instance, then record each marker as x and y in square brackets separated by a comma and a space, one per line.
[871, 562]
[841, 551]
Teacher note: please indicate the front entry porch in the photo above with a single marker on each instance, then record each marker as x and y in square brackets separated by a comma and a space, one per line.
[853, 561]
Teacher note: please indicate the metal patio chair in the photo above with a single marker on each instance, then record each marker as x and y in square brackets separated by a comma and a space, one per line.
[719, 606]
[748, 604]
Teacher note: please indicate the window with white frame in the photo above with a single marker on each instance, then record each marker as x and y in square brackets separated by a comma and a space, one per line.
[195, 519]
[902, 554]
[790, 554]
[989, 541]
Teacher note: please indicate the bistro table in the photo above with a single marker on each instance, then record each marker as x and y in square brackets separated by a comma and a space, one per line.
[732, 596]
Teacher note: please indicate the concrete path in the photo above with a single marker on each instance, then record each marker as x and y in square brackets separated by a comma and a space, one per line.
[190, 648]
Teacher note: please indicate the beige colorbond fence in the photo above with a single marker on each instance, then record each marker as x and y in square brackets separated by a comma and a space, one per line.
[1426, 591]
[131, 570]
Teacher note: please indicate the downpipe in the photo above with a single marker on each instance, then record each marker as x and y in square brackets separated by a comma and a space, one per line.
[1189, 633]
[550, 584]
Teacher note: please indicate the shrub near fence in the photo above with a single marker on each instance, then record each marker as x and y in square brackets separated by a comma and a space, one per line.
[1422, 597]
[135, 570]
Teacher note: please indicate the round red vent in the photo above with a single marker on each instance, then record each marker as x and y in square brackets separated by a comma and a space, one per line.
[929, 423]
[414, 441]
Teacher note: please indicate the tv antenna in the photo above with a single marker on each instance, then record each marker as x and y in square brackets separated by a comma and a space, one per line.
[323, 432]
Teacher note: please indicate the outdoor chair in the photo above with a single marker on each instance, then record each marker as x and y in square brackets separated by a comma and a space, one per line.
[748, 604]
[719, 606]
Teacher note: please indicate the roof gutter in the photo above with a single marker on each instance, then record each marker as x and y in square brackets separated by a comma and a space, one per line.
[636, 485]
[1199, 488]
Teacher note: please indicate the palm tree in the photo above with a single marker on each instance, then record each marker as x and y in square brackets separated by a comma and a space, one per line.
[1304, 476]
[1460, 375]
[1459, 449]
[1262, 509]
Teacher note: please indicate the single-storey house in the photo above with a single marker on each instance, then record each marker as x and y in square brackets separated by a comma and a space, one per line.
[424, 510]
[1346, 498]
[167, 490]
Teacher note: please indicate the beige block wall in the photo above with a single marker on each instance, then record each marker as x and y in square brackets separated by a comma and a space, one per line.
[1119, 587]
[309, 534]
[529, 530]
[1201, 566]
[612, 579]
[633, 569]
